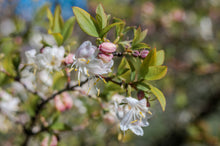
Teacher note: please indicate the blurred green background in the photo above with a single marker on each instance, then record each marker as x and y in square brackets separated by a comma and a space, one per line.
[189, 33]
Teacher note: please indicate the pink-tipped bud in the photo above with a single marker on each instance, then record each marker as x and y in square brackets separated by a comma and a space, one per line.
[67, 100]
[140, 95]
[46, 142]
[135, 53]
[144, 53]
[105, 57]
[107, 47]
[68, 59]
[59, 104]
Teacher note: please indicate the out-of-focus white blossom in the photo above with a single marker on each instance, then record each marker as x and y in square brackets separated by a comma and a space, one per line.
[8, 104]
[133, 114]
[37, 37]
[206, 28]
[7, 26]
[50, 58]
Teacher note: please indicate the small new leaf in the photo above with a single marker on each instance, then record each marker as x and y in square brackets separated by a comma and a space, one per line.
[148, 61]
[139, 36]
[101, 17]
[68, 28]
[107, 28]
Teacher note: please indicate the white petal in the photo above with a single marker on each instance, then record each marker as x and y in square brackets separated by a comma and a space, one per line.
[126, 121]
[136, 130]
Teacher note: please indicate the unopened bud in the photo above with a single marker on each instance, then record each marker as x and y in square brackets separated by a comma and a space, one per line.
[53, 141]
[59, 104]
[105, 57]
[144, 53]
[107, 47]
[67, 100]
[135, 53]
[69, 59]
[140, 95]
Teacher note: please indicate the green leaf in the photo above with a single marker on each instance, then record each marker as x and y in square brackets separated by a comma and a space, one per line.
[160, 57]
[123, 67]
[155, 72]
[86, 22]
[68, 28]
[139, 36]
[140, 46]
[101, 17]
[132, 67]
[56, 23]
[107, 28]
[143, 86]
[50, 17]
[119, 28]
[159, 96]
[59, 38]
[60, 126]
[148, 61]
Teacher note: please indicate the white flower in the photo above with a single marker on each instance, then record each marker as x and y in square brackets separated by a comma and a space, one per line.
[85, 61]
[30, 56]
[133, 114]
[8, 104]
[50, 58]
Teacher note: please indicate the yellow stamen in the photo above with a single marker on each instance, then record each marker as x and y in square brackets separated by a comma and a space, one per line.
[88, 62]
[97, 80]
[98, 92]
[79, 82]
[76, 69]
[88, 90]
[87, 73]
[150, 112]
[133, 121]
[71, 69]
[82, 59]
[142, 114]
[104, 81]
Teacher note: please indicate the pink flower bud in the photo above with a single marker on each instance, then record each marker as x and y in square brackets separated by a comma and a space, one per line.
[69, 59]
[105, 57]
[135, 53]
[144, 53]
[67, 100]
[107, 47]
[46, 142]
[59, 104]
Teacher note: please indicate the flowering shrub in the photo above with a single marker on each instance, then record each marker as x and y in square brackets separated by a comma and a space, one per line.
[54, 79]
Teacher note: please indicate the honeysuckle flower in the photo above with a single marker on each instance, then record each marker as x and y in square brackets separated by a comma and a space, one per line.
[107, 47]
[86, 62]
[51, 58]
[133, 114]
[8, 104]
